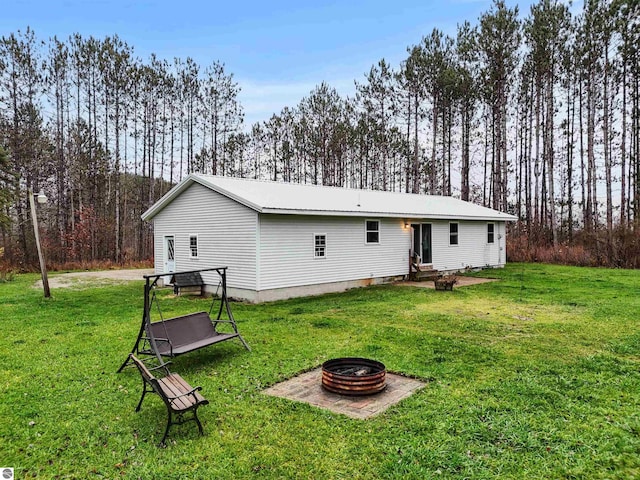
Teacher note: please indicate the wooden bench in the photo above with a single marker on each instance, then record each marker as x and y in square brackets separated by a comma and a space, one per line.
[187, 333]
[187, 280]
[176, 393]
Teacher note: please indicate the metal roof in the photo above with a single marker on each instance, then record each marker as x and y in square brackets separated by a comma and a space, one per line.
[306, 199]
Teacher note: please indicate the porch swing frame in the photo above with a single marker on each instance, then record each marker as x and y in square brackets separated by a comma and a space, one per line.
[179, 335]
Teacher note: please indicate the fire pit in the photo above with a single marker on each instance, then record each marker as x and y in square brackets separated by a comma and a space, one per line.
[353, 376]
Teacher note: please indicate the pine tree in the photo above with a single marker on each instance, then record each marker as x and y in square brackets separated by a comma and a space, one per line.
[499, 40]
[467, 61]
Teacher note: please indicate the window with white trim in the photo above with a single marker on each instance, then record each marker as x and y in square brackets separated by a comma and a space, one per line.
[453, 234]
[193, 246]
[490, 232]
[320, 245]
[372, 231]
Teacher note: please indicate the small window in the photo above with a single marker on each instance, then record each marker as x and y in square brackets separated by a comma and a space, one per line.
[193, 246]
[373, 231]
[320, 246]
[453, 234]
[490, 234]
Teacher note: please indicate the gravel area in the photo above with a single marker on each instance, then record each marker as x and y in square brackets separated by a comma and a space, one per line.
[90, 279]
[109, 277]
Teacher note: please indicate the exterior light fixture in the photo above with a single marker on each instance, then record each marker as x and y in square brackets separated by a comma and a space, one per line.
[42, 198]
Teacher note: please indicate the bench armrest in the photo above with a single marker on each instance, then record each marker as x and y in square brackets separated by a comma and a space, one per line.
[191, 393]
[221, 321]
[160, 339]
[162, 365]
[157, 339]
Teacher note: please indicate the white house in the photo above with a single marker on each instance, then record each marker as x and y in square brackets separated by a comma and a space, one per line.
[283, 240]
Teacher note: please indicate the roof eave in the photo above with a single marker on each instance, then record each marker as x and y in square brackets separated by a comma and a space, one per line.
[405, 215]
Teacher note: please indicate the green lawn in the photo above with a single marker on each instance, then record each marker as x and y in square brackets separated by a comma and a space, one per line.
[535, 376]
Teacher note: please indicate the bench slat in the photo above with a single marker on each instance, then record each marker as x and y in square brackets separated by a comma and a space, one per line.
[187, 280]
[183, 387]
[178, 387]
[193, 279]
[174, 386]
[169, 390]
[144, 371]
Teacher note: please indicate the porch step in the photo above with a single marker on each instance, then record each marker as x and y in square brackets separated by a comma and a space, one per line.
[424, 275]
[424, 268]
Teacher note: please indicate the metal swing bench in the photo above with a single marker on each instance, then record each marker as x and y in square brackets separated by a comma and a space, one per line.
[184, 334]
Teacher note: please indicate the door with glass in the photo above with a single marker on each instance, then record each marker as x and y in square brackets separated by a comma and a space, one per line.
[169, 257]
[422, 241]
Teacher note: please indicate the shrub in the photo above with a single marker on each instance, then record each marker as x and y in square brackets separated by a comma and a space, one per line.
[619, 248]
[7, 275]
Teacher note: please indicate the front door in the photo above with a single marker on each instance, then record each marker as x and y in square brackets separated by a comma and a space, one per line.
[422, 241]
[169, 257]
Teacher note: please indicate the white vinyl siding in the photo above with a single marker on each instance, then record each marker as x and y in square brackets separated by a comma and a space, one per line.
[285, 259]
[333, 246]
[272, 251]
[472, 249]
[226, 232]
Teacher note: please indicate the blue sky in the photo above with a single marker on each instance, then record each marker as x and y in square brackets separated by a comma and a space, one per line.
[277, 50]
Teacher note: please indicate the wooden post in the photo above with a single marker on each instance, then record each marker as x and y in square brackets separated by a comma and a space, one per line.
[43, 266]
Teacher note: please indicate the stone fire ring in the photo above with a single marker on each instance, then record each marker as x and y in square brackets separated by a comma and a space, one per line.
[353, 376]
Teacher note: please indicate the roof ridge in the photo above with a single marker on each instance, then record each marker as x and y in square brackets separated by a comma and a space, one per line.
[296, 198]
[354, 189]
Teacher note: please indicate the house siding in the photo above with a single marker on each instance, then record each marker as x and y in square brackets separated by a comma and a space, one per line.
[226, 230]
[472, 249]
[287, 250]
[271, 256]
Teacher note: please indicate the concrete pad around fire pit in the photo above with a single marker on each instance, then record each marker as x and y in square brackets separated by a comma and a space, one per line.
[307, 388]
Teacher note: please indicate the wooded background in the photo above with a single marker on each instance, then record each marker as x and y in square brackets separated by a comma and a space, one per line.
[535, 114]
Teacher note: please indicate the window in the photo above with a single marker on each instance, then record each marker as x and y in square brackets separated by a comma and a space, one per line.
[490, 235]
[372, 228]
[320, 246]
[193, 246]
[453, 234]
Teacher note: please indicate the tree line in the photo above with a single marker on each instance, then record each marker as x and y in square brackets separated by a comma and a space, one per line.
[534, 113]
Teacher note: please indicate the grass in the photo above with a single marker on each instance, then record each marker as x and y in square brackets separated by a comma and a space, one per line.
[535, 376]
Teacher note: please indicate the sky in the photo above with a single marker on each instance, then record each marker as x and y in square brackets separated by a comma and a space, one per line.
[277, 51]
